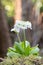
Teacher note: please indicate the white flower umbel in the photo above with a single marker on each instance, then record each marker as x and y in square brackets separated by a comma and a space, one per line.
[21, 25]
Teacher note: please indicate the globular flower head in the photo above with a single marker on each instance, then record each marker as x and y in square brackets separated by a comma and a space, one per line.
[21, 25]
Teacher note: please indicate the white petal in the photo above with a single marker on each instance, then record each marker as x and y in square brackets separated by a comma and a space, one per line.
[12, 29]
[29, 25]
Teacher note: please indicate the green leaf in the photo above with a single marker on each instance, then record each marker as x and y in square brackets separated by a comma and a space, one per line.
[27, 47]
[13, 54]
[19, 48]
[11, 49]
[27, 50]
[27, 44]
[34, 50]
[22, 44]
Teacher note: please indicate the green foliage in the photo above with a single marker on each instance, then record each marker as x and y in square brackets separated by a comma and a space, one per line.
[41, 9]
[9, 7]
[19, 49]
[34, 1]
[42, 1]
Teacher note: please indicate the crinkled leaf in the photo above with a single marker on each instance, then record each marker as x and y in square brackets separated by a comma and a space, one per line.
[26, 44]
[19, 48]
[27, 47]
[13, 54]
[11, 49]
[34, 50]
[26, 50]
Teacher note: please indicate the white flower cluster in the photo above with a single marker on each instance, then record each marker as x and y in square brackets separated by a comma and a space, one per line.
[21, 25]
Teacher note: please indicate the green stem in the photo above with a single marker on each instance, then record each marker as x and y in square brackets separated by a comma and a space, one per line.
[18, 37]
[24, 38]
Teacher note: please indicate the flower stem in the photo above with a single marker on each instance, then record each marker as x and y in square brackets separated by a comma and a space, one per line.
[18, 37]
[24, 38]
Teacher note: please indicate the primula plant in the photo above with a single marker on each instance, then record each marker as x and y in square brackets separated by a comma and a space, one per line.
[22, 48]
[22, 53]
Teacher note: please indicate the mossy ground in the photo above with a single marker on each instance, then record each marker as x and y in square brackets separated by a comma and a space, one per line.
[31, 60]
